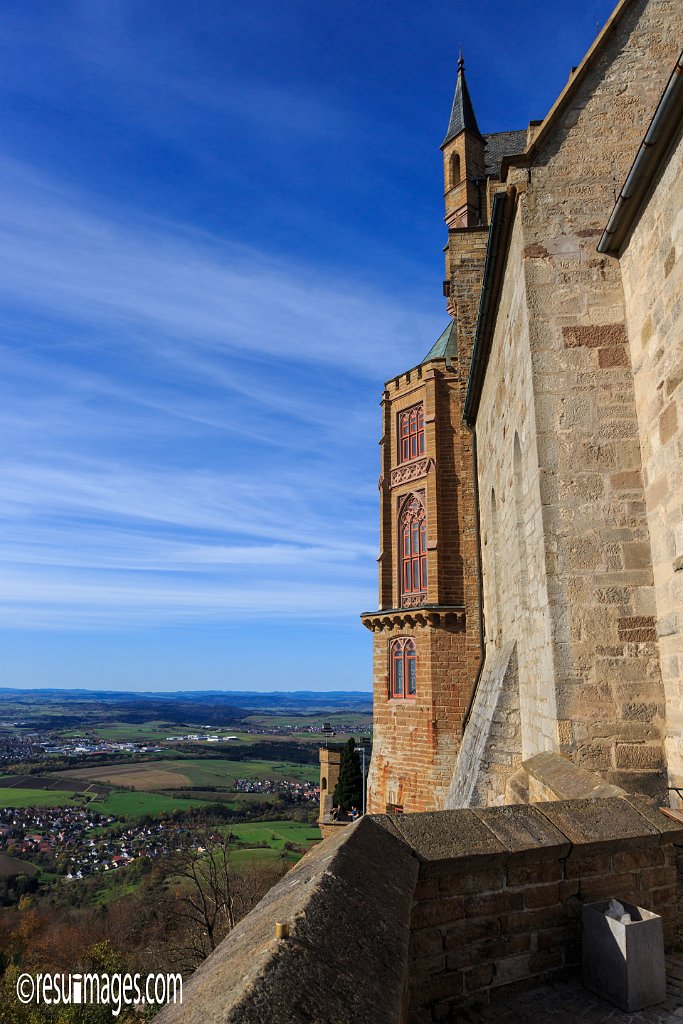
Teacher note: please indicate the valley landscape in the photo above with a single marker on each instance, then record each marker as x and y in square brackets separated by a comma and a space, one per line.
[105, 799]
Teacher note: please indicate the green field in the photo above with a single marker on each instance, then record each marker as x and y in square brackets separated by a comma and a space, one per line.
[122, 804]
[240, 859]
[136, 804]
[38, 798]
[276, 833]
[161, 786]
[304, 721]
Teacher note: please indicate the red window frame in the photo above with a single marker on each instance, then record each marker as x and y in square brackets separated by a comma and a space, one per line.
[403, 661]
[413, 556]
[411, 433]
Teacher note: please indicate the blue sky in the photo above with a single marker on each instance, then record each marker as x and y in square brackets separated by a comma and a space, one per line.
[220, 232]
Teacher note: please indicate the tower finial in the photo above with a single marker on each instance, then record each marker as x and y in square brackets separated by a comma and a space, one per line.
[462, 113]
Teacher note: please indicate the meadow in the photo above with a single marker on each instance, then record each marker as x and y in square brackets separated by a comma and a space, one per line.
[134, 805]
[276, 833]
[200, 772]
[21, 797]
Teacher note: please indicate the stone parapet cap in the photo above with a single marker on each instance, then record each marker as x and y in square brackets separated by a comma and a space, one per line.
[329, 821]
[566, 780]
[424, 615]
[448, 842]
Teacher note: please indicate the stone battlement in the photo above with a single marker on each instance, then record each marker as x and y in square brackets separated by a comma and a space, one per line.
[399, 920]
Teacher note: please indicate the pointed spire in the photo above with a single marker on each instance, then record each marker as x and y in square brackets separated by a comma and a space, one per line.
[462, 113]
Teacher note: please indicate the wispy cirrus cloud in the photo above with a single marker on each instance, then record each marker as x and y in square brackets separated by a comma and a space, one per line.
[202, 295]
[190, 427]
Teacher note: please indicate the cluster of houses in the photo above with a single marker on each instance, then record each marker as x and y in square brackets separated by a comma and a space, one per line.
[16, 748]
[298, 791]
[80, 841]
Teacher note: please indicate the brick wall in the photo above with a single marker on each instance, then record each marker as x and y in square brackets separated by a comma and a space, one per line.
[416, 741]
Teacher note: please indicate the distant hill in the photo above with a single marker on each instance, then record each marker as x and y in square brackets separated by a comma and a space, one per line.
[67, 709]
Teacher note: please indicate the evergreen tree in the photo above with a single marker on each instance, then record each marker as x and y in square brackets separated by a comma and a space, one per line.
[349, 789]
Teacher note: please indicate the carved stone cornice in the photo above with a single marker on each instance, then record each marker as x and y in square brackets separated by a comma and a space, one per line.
[411, 471]
[435, 615]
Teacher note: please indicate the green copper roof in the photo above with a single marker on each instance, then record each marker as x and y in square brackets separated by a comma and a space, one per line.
[462, 113]
[446, 345]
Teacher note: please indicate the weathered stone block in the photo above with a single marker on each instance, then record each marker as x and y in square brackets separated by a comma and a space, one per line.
[595, 335]
[439, 911]
[470, 931]
[541, 896]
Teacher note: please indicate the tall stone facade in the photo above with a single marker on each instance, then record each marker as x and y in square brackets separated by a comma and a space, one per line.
[550, 481]
[652, 276]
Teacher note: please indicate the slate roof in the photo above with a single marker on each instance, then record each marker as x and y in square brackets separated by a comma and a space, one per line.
[462, 112]
[502, 144]
[446, 345]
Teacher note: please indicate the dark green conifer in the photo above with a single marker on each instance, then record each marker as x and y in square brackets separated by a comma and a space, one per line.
[349, 789]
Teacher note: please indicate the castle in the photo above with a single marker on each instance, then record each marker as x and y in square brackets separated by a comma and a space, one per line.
[531, 525]
[528, 644]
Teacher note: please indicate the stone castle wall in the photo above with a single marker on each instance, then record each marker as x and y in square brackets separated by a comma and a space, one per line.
[652, 269]
[481, 924]
[408, 919]
[514, 559]
[559, 402]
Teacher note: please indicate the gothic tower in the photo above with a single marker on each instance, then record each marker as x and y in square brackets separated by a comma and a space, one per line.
[427, 628]
[463, 161]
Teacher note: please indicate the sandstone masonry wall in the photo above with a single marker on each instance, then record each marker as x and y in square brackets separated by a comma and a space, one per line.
[652, 273]
[560, 378]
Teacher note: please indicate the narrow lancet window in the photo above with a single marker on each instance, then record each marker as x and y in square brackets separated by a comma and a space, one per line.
[403, 668]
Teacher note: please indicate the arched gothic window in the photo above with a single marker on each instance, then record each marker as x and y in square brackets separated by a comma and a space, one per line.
[411, 433]
[403, 667]
[455, 170]
[413, 538]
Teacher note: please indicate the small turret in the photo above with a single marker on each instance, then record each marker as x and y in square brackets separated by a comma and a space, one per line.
[463, 161]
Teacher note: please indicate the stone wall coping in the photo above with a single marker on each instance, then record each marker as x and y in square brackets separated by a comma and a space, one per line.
[567, 780]
[455, 839]
[348, 905]
[669, 830]
[525, 831]
[609, 824]
[452, 841]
